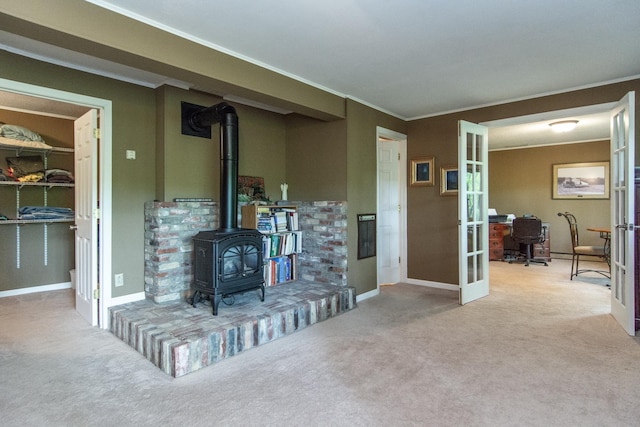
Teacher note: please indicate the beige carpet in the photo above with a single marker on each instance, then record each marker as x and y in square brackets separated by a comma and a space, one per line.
[539, 351]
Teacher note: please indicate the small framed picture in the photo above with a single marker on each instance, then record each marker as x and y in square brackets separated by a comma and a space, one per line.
[422, 171]
[449, 180]
[581, 181]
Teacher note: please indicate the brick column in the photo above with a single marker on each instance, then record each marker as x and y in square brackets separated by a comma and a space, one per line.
[169, 229]
[324, 242]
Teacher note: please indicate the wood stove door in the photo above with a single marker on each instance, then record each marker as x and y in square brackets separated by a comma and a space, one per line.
[240, 261]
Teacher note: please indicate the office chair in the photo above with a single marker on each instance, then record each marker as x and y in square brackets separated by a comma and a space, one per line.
[528, 231]
[579, 250]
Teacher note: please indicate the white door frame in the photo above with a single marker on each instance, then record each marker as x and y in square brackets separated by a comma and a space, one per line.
[401, 139]
[104, 189]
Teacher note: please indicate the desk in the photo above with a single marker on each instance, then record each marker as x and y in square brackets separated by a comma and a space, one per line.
[605, 234]
[499, 231]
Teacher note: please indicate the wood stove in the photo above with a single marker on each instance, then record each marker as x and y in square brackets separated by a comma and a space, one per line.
[227, 263]
[228, 260]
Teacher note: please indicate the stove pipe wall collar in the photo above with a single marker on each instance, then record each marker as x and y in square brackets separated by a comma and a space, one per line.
[197, 120]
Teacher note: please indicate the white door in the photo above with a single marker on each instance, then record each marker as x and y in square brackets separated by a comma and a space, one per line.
[86, 178]
[622, 212]
[473, 213]
[388, 233]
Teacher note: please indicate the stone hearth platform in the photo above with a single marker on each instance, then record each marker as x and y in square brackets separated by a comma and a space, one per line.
[180, 339]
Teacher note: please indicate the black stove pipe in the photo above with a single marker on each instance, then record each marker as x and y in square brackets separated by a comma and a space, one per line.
[226, 115]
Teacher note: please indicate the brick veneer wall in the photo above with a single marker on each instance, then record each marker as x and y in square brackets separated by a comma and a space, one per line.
[324, 242]
[170, 227]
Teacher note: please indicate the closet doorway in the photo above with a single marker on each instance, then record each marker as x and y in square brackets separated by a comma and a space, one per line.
[391, 221]
[46, 100]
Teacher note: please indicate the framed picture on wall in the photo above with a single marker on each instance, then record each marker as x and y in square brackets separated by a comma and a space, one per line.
[449, 180]
[581, 180]
[422, 171]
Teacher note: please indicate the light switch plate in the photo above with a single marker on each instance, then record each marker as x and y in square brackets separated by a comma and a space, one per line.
[131, 155]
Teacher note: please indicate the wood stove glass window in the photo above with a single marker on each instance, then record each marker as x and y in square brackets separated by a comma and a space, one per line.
[240, 261]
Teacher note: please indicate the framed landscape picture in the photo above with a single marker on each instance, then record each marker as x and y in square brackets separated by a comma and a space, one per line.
[581, 180]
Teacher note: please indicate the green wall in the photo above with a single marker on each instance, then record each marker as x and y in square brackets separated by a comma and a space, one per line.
[362, 178]
[338, 161]
[189, 166]
[316, 159]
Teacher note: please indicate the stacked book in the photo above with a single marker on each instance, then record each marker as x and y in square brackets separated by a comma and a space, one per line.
[281, 221]
[278, 220]
[266, 223]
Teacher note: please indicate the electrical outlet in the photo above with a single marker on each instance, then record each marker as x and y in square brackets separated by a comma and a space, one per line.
[130, 154]
[119, 278]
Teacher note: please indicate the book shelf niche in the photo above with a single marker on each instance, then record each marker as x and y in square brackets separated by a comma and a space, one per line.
[281, 240]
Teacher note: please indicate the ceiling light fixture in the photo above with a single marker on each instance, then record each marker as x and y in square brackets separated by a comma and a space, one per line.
[564, 125]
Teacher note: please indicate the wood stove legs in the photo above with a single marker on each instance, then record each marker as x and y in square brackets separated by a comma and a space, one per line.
[195, 298]
[215, 302]
[199, 296]
[215, 298]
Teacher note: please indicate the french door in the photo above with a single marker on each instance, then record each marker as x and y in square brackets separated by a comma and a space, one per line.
[622, 212]
[473, 201]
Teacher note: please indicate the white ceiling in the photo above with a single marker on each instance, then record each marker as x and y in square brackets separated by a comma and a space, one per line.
[534, 130]
[413, 58]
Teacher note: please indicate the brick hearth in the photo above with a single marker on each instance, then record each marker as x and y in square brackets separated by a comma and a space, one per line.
[180, 339]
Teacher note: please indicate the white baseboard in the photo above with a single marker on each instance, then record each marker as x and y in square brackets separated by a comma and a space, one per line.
[127, 299]
[34, 289]
[427, 283]
[430, 284]
[367, 295]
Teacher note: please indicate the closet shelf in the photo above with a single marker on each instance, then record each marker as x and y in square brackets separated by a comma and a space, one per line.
[19, 147]
[34, 221]
[38, 184]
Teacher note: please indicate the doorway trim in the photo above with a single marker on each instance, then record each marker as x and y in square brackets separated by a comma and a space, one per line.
[608, 107]
[104, 188]
[401, 139]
